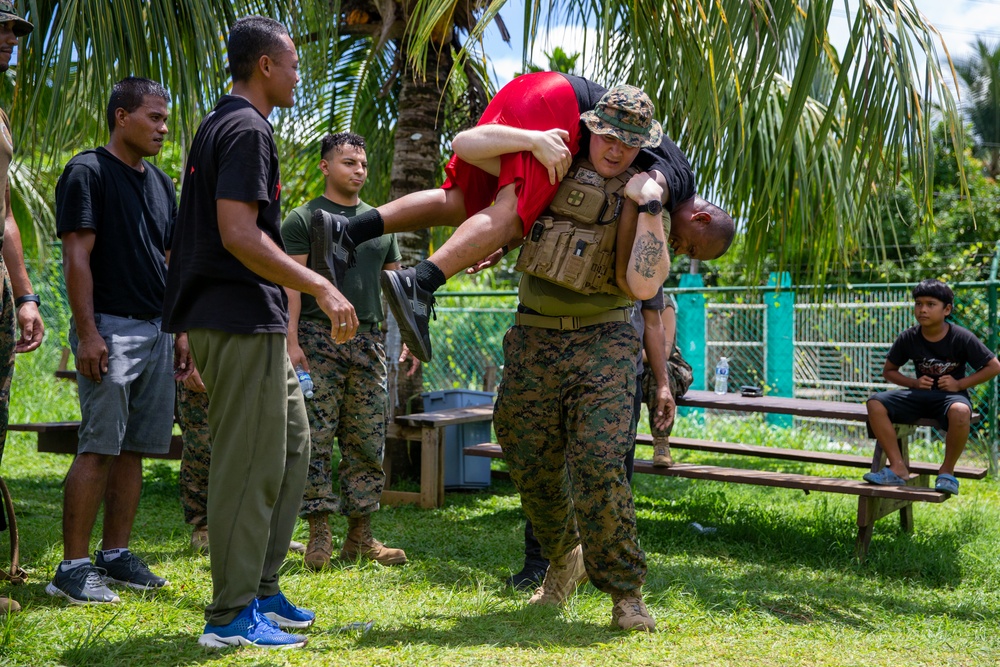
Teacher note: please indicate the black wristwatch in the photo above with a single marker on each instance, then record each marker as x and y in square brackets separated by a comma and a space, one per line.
[27, 298]
[653, 207]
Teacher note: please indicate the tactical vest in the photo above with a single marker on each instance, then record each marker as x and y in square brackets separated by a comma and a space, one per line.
[573, 244]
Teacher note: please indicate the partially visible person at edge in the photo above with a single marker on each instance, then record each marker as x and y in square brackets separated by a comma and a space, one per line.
[19, 304]
[350, 379]
[224, 290]
[663, 380]
[115, 214]
[564, 404]
[940, 352]
[495, 196]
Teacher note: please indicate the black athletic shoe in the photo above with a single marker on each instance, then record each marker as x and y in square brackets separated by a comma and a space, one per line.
[412, 307]
[331, 245]
[530, 576]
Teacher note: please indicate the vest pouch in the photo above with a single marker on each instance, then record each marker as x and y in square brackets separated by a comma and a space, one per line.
[577, 201]
[578, 258]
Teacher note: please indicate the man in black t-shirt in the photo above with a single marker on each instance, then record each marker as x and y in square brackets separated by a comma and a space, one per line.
[940, 352]
[224, 290]
[115, 215]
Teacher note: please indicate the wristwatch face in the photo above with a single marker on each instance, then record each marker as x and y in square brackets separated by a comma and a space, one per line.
[652, 207]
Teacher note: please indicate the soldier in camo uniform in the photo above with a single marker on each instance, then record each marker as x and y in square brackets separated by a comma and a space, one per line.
[18, 305]
[680, 379]
[192, 416]
[564, 403]
[350, 398]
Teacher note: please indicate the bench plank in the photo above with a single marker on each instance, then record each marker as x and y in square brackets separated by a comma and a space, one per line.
[764, 478]
[448, 417]
[803, 455]
[63, 438]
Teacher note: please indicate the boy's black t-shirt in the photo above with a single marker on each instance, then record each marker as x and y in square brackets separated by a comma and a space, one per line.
[233, 156]
[947, 356]
[666, 158]
[132, 214]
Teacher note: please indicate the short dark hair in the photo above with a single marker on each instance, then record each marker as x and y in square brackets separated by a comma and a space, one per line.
[129, 94]
[722, 227]
[339, 139]
[250, 38]
[934, 289]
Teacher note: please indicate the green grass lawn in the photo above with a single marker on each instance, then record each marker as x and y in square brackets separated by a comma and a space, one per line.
[776, 584]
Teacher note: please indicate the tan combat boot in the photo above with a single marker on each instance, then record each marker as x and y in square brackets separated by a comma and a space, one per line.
[630, 613]
[661, 453]
[199, 539]
[320, 547]
[359, 543]
[561, 579]
[8, 606]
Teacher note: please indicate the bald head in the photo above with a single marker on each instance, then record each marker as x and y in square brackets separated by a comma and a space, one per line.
[701, 230]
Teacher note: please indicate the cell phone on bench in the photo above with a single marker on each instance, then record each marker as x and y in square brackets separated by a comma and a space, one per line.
[751, 391]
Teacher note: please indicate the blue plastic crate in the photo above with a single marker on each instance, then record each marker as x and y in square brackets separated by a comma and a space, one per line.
[461, 471]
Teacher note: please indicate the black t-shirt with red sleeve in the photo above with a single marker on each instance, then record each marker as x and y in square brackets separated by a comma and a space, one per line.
[233, 156]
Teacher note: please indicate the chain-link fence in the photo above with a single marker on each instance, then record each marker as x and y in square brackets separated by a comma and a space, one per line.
[831, 342]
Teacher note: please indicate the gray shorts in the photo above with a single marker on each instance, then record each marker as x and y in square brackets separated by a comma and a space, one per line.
[132, 408]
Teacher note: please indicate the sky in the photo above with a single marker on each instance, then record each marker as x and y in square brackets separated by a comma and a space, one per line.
[958, 21]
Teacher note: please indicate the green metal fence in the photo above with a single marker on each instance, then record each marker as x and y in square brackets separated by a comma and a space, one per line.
[827, 343]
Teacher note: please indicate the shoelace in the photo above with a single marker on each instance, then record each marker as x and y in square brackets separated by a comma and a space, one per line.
[94, 578]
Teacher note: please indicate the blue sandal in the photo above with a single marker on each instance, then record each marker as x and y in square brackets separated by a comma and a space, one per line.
[946, 484]
[884, 477]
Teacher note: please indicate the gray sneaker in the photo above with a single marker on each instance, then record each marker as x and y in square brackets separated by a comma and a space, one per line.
[129, 570]
[81, 585]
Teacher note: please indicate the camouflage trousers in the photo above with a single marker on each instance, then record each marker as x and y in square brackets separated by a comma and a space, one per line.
[8, 337]
[679, 373]
[349, 405]
[562, 418]
[192, 415]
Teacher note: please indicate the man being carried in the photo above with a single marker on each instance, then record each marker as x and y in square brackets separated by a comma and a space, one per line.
[496, 198]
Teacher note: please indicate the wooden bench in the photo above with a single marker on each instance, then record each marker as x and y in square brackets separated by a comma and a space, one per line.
[427, 428]
[63, 437]
[874, 502]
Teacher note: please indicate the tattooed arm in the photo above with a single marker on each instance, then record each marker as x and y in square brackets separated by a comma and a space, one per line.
[649, 261]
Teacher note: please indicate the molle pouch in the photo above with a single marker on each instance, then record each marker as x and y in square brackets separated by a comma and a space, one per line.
[579, 201]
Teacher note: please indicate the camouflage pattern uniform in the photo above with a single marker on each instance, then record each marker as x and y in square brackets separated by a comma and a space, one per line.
[8, 337]
[192, 415]
[562, 418]
[679, 372]
[349, 405]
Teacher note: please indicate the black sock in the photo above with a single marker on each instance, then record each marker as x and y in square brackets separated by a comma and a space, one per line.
[429, 276]
[365, 226]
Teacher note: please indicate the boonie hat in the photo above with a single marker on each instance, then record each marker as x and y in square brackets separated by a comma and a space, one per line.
[626, 113]
[8, 12]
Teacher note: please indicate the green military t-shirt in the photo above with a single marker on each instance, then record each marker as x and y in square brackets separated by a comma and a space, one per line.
[361, 284]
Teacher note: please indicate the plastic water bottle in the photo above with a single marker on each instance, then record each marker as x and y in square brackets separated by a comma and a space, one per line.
[722, 376]
[305, 381]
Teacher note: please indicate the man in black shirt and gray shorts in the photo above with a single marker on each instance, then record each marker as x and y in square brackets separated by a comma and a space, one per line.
[115, 213]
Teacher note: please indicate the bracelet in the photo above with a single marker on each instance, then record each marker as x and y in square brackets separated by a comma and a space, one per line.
[27, 298]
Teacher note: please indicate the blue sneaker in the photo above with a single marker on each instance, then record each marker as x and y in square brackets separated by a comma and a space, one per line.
[284, 613]
[249, 628]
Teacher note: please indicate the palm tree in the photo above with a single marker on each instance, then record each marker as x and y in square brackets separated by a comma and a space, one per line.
[980, 73]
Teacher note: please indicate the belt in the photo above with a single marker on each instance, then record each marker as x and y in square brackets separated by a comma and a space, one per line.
[571, 322]
[137, 316]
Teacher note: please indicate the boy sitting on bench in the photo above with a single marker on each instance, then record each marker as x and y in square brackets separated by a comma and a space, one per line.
[939, 351]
